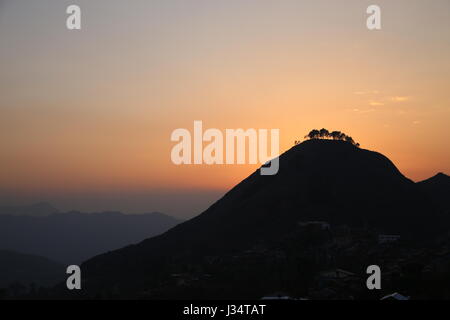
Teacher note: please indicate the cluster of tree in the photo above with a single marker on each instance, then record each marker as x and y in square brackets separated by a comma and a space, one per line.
[335, 135]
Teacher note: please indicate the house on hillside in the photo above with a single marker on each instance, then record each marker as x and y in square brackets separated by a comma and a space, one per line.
[387, 238]
[323, 225]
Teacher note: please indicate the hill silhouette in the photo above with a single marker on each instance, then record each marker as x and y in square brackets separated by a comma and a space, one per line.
[18, 269]
[438, 189]
[73, 237]
[333, 181]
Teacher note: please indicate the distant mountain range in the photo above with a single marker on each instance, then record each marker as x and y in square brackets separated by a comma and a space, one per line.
[319, 180]
[40, 209]
[73, 237]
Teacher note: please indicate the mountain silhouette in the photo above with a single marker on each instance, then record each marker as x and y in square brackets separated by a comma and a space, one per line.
[40, 209]
[73, 237]
[324, 180]
[438, 189]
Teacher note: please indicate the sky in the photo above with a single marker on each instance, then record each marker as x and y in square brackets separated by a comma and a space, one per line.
[86, 116]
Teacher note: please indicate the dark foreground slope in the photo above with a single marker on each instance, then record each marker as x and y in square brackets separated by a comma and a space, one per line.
[324, 180]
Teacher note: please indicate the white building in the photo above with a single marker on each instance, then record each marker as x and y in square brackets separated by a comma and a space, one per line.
[395, 296]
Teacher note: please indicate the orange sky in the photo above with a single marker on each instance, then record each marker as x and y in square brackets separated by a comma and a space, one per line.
[93, 110]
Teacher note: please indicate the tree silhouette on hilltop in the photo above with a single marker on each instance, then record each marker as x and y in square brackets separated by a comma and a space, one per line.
[335, 135]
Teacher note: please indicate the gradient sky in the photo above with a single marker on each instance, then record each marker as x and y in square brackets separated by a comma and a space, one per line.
[86, 116]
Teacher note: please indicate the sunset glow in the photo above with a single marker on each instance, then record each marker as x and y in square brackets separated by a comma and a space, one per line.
[92, 112]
